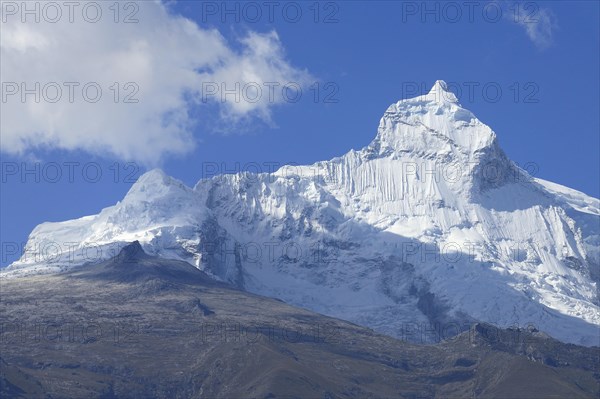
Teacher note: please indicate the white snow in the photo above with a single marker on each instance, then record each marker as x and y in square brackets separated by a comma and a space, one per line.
[431, 205]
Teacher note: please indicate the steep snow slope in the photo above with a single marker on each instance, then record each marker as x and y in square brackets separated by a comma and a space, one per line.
[431, 223]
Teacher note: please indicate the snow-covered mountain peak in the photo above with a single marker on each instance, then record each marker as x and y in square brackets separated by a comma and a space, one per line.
[154, 175]
[440, 93]
[155, 184]
[430, 223]
[434, 125]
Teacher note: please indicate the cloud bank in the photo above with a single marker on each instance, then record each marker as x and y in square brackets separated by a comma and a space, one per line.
[127, 85]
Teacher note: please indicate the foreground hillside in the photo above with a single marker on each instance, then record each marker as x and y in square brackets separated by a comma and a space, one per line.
[141, 326]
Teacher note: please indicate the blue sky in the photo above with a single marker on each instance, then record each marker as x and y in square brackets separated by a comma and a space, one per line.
[544, 59]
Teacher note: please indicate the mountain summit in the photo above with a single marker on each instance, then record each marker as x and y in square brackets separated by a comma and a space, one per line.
[434, 124]
[440, 93]
[428, 226]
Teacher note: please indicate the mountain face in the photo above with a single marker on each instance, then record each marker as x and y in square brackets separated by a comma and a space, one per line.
[139, 326]
[428, 228]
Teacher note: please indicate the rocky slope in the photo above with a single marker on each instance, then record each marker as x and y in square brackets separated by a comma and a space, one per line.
[138, 326]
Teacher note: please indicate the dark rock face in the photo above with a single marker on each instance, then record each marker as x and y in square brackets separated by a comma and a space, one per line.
[131, 253]
[137, 326]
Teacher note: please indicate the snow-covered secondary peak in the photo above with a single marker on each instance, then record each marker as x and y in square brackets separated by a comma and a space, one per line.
[155, 183]
[155, 176]
[430, 223]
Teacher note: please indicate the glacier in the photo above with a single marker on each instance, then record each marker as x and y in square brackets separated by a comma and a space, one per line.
[431, 224]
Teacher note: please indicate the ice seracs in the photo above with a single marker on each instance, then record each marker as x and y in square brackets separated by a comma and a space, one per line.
[429, 224]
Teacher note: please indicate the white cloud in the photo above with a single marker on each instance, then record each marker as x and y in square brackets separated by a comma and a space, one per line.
[539, 25]
[168, 57]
